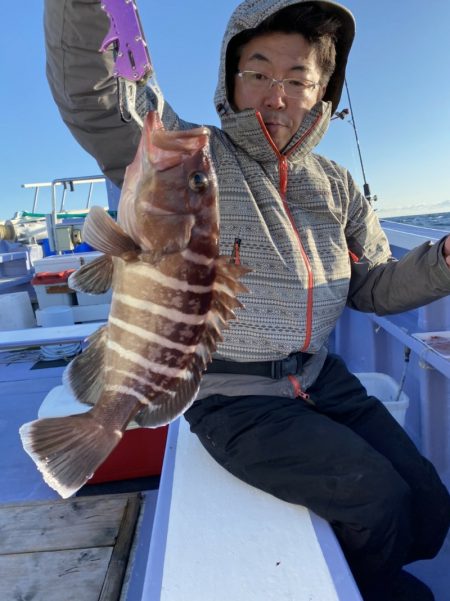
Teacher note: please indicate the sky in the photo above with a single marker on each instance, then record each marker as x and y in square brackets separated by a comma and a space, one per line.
[398, 77]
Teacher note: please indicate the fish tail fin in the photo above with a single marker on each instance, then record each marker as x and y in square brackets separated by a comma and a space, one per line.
[67, 450]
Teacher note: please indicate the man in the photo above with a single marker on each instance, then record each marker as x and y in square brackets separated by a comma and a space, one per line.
[275, 408]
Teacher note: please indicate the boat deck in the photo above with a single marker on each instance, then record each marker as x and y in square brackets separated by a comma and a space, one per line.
[24, 383]
[67, 549]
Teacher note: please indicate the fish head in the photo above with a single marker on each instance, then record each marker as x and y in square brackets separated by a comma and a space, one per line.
[169, 196]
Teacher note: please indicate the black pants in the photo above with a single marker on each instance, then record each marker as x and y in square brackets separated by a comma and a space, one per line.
[345, 458]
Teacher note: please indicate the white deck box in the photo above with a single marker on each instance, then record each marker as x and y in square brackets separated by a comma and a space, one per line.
[57, 263]
[94, 299]
[385, 388]
[52, 288]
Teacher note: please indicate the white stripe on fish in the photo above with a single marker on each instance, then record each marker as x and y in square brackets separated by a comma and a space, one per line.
[145, 381]
[175, 284]
[188, 255]
[155, 309]
[152, 337]
[129, 392]
[171, 372]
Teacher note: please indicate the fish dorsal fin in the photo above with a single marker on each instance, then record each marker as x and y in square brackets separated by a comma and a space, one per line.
[224, 301]
[103, 233]
[171, 404]
[94, 277]
[85, 375]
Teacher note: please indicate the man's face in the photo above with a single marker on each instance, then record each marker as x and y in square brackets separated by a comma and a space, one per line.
[280, 56]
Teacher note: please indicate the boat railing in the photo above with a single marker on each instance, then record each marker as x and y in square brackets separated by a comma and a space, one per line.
[61, 234]
[68, 184]
[412, 347]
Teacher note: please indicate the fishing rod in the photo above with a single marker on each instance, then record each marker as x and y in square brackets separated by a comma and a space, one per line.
[341, 115]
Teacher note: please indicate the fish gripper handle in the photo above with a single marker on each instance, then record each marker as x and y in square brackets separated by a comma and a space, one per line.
[132, 60]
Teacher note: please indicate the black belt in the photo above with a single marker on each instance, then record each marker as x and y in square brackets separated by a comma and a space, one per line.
[268, 369]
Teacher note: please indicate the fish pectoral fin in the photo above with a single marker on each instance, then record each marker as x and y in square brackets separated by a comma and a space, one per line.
[94, 277]
[85, 375]
[103, 233]
[67, 450]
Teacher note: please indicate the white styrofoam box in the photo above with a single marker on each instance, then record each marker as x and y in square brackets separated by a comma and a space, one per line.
[84, 298]
[94, 299]
[57, 263]
[16, 312]
[88, 257]
[84, 313]
[57, 315]
[50, 300]
[385, 389]
[60, 402]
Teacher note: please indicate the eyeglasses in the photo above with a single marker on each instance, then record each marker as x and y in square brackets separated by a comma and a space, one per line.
[293, 88]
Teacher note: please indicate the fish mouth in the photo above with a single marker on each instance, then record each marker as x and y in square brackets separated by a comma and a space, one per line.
[186, 142]
[168, 148]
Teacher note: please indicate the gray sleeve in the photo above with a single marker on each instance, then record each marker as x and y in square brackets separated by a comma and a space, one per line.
[85, 90]
[83, 86]
[381, 284]
[418, 278]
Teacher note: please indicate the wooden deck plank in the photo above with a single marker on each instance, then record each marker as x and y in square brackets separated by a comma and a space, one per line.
[67, 549]
[73, 524]
[69, 575]
[119, 560]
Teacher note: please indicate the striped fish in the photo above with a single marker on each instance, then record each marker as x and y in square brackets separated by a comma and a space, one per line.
[172, 295]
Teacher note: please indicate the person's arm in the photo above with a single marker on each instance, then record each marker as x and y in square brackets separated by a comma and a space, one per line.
[380, 283]
[83, 86]
[85, 90]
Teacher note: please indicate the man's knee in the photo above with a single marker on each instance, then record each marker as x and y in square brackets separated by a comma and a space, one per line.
[376, 515]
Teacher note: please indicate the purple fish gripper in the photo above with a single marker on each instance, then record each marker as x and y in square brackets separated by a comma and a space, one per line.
[132, 61]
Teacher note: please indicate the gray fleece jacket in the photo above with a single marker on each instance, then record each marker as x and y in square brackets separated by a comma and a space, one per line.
[313, 242]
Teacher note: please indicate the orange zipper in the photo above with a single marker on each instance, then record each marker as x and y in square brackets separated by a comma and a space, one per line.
[298, 389]
[353, 256]
[283, 167]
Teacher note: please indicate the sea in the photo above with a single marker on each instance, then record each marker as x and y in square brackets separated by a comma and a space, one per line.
[439, 221]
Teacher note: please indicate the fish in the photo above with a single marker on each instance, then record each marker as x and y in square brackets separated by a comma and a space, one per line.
[172, 297]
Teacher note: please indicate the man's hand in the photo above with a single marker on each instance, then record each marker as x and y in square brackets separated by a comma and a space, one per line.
[446, 250]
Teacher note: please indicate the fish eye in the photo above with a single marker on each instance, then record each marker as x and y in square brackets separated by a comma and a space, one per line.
[198, 181]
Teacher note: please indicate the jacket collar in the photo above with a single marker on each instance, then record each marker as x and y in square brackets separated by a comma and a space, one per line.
[246, 132]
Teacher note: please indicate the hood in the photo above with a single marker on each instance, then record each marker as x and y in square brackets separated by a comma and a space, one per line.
[250, 13]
